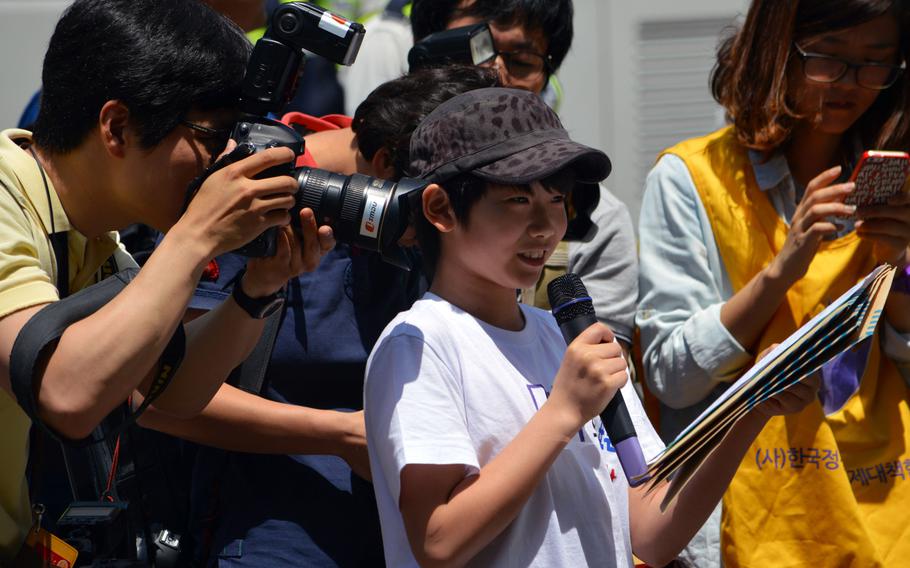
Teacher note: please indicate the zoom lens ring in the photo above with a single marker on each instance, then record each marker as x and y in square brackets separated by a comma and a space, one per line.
[353, 199]
[314, 188]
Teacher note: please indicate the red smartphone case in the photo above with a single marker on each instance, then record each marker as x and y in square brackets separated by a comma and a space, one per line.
[879, 176]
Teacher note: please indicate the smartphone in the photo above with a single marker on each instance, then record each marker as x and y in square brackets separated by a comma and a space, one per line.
[878, 176]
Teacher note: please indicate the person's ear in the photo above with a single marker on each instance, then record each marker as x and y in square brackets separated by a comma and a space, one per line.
[115, 131]
[382, 164]
[438, 209]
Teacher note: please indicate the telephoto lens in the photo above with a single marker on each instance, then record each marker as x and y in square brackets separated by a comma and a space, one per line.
[363, 211]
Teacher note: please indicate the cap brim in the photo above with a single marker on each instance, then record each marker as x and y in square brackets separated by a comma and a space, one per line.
[545, 159]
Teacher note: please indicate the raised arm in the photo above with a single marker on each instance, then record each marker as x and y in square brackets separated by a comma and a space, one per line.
[221, 339]
[102, 359]
[451, 512]
[696, 332]
[749, 310]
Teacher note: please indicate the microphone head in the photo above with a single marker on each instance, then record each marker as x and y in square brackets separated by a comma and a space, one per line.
[569, 298]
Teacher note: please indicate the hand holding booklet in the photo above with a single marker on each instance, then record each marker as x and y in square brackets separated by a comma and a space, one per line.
[843, 324]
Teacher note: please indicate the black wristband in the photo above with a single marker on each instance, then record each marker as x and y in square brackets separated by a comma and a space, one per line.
[257, 308]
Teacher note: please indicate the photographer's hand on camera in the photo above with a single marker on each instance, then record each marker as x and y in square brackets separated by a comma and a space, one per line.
[101, 360]
[232, 208]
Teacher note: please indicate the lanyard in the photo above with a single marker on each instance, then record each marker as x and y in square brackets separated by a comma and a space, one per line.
[59, 241]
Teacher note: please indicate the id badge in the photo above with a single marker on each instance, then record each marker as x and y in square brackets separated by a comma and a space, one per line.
[45, 549]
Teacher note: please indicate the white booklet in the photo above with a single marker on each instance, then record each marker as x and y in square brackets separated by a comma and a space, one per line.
[847, 321]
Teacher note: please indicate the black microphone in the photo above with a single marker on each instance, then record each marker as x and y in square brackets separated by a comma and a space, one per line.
[574, 312]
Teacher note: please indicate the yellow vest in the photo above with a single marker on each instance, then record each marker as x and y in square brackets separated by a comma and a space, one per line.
[812, 490]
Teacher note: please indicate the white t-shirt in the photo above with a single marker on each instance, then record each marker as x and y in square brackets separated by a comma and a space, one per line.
[443, 387]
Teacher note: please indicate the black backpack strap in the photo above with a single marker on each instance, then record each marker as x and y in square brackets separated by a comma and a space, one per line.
[212, 463]
[250, 375]
[46, 327]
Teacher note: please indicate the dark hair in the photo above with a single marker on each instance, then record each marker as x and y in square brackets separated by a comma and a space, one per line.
[464, 191]
[388, 116]
[750, 77]
[159, 58]
[552, 17]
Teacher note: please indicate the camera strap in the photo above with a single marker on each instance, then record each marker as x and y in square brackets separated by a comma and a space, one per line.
[250, 375]
[46, 327]
[59, 240]
[60, 243]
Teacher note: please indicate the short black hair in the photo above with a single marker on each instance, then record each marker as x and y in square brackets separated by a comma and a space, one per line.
[388, 116]
[464, 191]
[160, 58]
[552, 17]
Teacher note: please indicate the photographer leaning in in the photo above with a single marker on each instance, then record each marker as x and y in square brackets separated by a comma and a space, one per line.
[532, 36]
[291, 490]
[137, 97]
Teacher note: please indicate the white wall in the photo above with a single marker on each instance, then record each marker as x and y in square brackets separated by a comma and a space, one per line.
[636, 80]
[25, 28]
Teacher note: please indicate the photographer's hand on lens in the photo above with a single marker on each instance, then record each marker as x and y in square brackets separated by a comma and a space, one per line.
[295, 254]
[314, 241]
[232, 208]
[810, 224]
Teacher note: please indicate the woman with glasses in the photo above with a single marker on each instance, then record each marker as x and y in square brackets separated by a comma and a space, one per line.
[745, 236]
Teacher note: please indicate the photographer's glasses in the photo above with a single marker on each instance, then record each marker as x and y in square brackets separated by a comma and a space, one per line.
[214, 139]
[830, 69]
[523, 65]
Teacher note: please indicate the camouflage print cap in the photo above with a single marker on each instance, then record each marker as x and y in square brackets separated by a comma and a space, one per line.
[501, 135]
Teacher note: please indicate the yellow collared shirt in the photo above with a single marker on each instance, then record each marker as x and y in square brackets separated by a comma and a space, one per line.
[28, 272]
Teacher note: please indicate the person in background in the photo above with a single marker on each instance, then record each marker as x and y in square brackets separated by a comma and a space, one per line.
[532, 36]
[383, 54]
[292, 489]
[745, 236]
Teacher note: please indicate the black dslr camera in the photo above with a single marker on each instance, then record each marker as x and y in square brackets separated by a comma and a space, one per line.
[367, 212]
